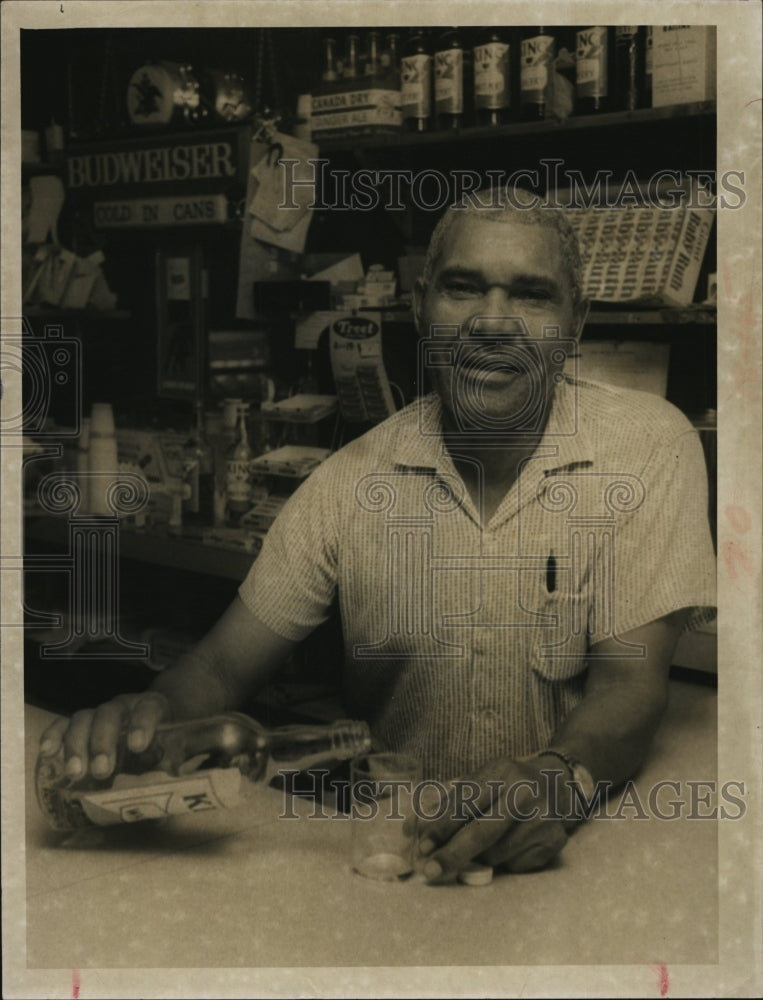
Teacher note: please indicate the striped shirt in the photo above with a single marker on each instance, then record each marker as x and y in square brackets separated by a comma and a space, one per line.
[465, 641]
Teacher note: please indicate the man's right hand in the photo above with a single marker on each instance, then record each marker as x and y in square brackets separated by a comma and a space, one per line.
[89, 738]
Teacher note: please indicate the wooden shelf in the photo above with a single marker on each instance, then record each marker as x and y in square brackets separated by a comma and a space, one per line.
[175, 552]
[575, 123]
[53, 312]
[602, 315]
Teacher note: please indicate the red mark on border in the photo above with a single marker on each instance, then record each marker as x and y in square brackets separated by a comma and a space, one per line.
[739, 518]
[75, 984]
[664, 980]
[737, 560]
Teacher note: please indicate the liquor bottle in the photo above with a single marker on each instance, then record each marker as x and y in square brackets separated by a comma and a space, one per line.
[238, 482]
[592, 56]
[452, 79]
[330, 74]
[351, 69]
[200, 461]
[416, 82]
[372, 65]
[190, 767]
[390, 61]
[492, 77]
[537, 53]
[629, 67]
[646, 95]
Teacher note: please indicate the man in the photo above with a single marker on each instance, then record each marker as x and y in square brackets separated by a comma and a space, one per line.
[514, 555]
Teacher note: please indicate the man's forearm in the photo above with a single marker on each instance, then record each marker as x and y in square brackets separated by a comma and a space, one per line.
[194, 687]
[610, 731]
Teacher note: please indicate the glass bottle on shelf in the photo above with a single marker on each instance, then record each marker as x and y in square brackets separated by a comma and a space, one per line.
[492, 77]
[537, 53]
[646, 90]
[629, 67]
[190, 767]
[390, 61]
[238, 481]
[452, 79]
[592, 70]
[351, 70]
[198, 508]
[372, 56]
[330, 73]
[416, 82]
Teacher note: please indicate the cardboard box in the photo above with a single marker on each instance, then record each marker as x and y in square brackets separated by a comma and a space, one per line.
[683, 68]
[355, 112]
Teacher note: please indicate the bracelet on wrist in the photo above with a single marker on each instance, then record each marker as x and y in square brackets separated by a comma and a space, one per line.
[578, 772]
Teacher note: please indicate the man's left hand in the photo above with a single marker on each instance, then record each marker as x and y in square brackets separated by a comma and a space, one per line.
[509, 813]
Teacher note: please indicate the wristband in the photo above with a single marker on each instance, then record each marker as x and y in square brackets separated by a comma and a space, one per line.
[580, 774]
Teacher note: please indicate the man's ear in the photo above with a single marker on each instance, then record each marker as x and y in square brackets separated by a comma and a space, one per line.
[419, 291]
[581, 315]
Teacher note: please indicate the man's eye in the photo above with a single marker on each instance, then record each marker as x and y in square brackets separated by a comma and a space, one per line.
[461, 289]
[535, 295]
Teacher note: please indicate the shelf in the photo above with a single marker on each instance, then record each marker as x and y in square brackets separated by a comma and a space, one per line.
[52, 312]
[642, 116]
[668, 316]
[618, 314]
[174, 552]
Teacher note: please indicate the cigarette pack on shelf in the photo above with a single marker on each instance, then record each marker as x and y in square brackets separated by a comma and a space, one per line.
[644, 252]
[294, 461]
[262, 514]
[305, 408]
[238, 539]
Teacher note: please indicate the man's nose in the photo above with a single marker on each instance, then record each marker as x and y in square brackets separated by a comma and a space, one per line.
[496, 314]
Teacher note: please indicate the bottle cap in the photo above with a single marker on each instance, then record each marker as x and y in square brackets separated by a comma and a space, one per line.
[475, 874]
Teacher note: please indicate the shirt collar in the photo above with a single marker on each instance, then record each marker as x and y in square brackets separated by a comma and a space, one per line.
[564, 443]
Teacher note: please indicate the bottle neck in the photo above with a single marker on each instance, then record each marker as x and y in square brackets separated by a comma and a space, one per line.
[306, 746]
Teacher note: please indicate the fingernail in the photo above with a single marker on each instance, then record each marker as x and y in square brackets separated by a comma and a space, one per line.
[432, 870]
[427, 845]
[47, 746]
[136, 740]
[74, 767]
[100, 765]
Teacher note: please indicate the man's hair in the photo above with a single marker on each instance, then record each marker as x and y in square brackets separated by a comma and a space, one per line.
[551, 217]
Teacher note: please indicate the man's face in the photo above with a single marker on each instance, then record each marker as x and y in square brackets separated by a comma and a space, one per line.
[497, 288]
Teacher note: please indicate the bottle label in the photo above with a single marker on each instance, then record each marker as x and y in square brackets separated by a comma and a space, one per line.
[537, 54]
[415, 77]
[491, 75]
[591, 62]
[449, 81]
[218, 788]
[237, 480]
[623, 31]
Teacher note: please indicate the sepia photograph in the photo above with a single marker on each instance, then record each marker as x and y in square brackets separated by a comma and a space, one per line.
[380, 553]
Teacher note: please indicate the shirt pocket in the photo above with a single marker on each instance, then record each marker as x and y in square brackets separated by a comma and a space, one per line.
[562, 643]
[559, 662]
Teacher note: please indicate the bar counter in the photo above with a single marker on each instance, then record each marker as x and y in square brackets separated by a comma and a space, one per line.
[245, 888]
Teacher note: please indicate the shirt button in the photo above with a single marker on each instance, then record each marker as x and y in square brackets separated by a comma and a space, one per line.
[489, 717]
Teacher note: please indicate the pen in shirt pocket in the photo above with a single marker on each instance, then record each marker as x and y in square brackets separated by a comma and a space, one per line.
[551, 573]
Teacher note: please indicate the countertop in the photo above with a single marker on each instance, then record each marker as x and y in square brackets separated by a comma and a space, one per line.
[243, 888]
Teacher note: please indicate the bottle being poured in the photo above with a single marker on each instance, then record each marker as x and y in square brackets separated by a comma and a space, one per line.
[190, 767]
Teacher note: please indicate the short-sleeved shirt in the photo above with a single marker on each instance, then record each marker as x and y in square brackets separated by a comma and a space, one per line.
[466, 641]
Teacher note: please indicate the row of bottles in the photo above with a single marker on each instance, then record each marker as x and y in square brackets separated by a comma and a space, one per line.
[453, 77]
[220, 463]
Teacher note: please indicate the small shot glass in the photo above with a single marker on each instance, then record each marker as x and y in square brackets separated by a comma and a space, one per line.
[384, 829]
